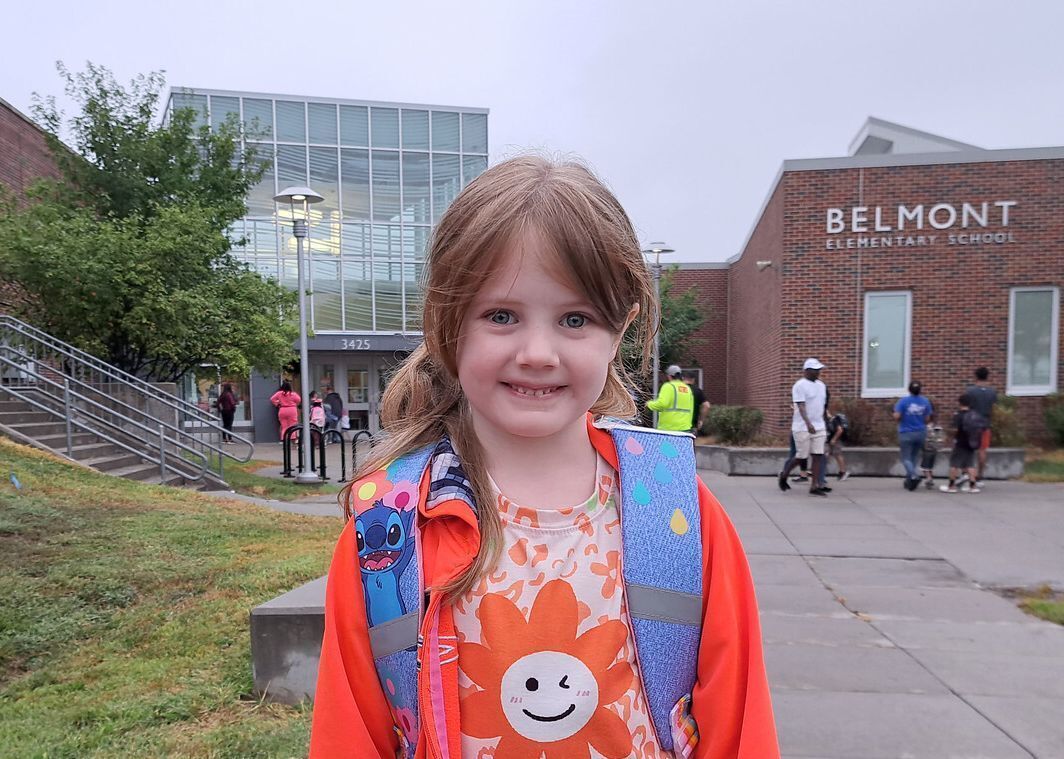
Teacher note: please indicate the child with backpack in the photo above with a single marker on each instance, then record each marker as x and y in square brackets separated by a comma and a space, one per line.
[317, 417]
[930, 454]
[838, 426]
[509, 546]
[968, 427]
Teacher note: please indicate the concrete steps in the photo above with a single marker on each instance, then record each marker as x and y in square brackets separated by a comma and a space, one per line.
[26, 424]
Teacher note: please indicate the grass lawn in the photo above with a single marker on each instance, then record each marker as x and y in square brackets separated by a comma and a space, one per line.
[242, 479]
[1045, 608]
[124, 616]
[1045, 466]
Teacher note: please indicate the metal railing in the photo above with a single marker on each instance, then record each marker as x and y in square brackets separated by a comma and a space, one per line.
[34, 360]
[78, 411]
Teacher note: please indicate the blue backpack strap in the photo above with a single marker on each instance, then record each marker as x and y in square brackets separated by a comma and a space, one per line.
[662, 568]
[386, 536]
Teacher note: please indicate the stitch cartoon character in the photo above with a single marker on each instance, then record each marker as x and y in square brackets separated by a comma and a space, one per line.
[385, 539]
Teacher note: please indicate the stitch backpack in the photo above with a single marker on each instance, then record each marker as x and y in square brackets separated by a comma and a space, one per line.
[661, 535]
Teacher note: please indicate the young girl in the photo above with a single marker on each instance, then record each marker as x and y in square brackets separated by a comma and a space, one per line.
[485, 599]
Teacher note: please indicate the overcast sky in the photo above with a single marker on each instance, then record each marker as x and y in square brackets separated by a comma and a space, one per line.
[686, 109]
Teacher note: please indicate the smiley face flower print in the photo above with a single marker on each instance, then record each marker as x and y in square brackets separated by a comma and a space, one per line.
[543, 690]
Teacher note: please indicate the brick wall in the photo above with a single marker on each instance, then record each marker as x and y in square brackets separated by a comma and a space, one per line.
[810, 300]
[708, 349]
[756, 375]
[960, 294]
[24, 154]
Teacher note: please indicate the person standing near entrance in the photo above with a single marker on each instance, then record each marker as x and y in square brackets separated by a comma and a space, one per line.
[675, 403]
[809, 425]
[287, 402]
[912, 414]
[227, 408]
[982, 397]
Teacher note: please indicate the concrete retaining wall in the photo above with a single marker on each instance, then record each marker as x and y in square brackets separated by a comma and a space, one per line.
[286, 643]
[1002, 463]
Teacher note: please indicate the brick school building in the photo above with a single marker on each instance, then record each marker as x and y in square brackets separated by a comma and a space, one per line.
[913, 258]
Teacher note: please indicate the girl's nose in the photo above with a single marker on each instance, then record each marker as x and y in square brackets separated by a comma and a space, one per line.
[537, 350]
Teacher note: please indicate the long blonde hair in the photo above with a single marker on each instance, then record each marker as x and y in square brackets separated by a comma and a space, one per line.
[594, 245]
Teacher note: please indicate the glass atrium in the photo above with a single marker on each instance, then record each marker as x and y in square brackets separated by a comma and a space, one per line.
[387, 172]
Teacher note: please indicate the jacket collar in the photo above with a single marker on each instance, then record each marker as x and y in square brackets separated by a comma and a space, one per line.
[450, 529]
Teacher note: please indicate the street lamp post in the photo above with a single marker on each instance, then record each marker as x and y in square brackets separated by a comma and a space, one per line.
[303, 196]
[657, 249]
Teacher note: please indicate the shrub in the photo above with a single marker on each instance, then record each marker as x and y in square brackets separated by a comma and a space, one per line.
[870, 423]
[1008, 431]
[734, 425]
[1054, 416]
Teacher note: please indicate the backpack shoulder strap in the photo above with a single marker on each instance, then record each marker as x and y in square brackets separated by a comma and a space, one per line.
[385, 523]
[662, 537]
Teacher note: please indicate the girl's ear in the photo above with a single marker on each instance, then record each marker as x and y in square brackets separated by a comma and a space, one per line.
[632, 314]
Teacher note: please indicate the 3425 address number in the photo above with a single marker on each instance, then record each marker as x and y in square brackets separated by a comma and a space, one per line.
[356, 344]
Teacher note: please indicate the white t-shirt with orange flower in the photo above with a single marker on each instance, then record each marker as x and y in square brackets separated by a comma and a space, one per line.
[547, 662]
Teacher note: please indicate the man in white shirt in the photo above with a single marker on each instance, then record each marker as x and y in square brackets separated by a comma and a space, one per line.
[809, 426]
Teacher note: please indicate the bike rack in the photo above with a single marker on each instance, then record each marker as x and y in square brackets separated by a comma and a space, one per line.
[354, 449]
[295, 431]
[334, 435]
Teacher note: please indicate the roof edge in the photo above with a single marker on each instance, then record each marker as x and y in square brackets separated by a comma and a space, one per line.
[871, 121]
[897, 159]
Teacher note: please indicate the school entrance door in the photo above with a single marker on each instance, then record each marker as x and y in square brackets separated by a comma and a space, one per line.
[359, 381]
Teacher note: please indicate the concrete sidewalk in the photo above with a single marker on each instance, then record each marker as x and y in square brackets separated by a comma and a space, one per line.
[881, 637]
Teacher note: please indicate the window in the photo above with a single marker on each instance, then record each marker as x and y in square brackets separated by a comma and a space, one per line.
[446, 132]
[384, 125]
[224, 109]
[321, 118]
[475, 132]
[354, 125]
[291, 121]
[1033, 333]
[258, 118]
[415, 130]
[887, 330]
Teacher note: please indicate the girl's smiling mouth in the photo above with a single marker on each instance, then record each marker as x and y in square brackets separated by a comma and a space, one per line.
[527, 391]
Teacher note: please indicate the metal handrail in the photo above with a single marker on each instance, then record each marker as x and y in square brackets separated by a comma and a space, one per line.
[122, 378]
[68, 415]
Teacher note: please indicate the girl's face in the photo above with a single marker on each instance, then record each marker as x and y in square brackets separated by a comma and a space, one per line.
[533, 353]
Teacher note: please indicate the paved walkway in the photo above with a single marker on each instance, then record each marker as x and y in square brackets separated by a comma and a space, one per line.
[880, 635]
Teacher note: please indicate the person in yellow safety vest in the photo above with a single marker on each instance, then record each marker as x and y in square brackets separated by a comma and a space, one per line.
[675, 403]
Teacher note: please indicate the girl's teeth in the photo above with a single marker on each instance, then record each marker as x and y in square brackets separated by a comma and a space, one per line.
[533, 393]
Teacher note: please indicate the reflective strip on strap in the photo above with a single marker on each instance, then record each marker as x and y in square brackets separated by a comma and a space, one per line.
[394, 635]
[646, 602]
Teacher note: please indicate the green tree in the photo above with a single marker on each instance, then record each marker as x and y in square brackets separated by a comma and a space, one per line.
[680, 320]
[128, 257]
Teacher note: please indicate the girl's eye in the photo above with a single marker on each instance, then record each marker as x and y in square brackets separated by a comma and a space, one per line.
[575, 321]
[501, 317]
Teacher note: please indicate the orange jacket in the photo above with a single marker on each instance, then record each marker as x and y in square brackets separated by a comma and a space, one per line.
[730, 702]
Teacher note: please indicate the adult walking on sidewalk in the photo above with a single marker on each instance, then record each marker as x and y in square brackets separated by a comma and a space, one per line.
[808, 425]
[912, 414]
[982, 397]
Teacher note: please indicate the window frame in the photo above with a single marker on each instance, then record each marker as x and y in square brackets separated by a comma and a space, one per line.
[1035, 390]
[882, 392]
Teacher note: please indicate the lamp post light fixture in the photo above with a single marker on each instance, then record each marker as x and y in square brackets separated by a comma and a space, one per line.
[301, 198]
[657, 249]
